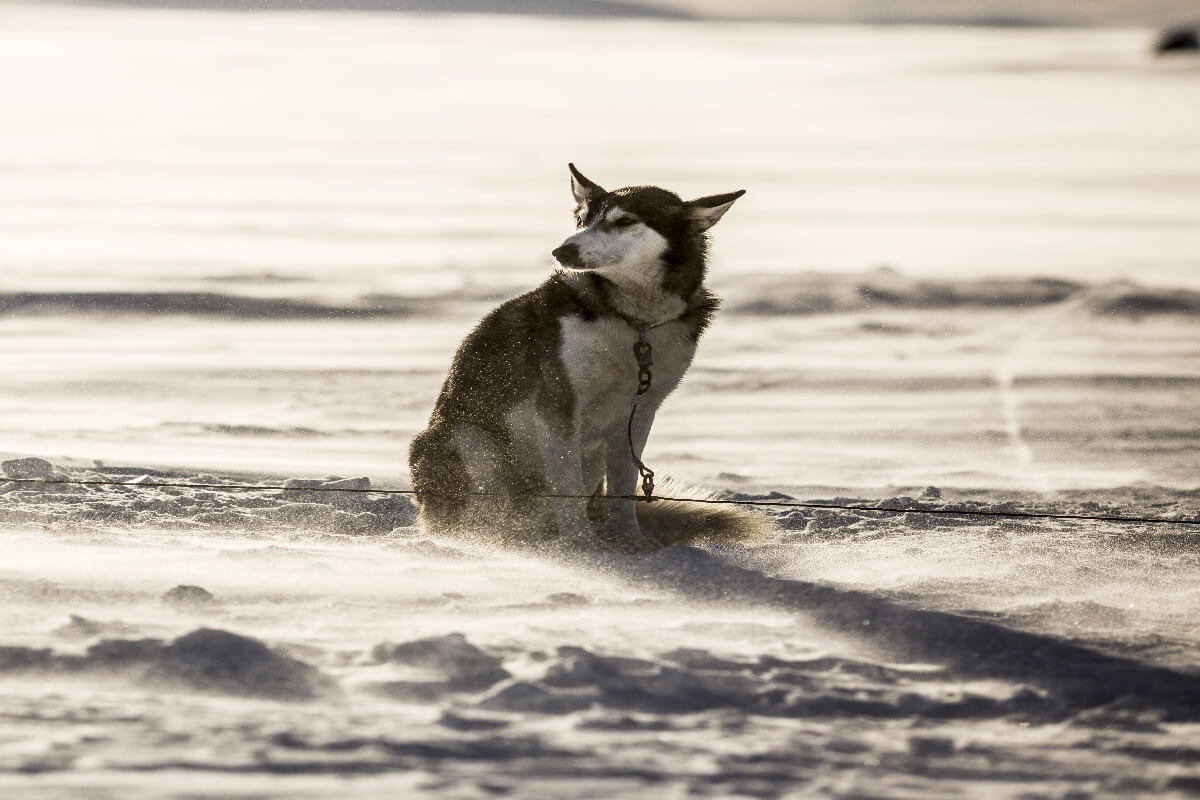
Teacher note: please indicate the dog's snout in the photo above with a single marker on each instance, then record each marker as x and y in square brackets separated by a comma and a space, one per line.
[567, 255]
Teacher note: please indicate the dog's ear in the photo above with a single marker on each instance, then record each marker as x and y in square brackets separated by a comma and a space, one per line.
[707, 211]
[585, 192]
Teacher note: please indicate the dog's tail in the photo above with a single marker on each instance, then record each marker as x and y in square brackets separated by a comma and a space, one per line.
[682, 520]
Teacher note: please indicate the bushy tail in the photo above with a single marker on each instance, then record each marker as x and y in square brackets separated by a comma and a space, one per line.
[675, 522]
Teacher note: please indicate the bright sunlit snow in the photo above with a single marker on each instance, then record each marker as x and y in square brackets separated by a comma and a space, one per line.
[241, 248]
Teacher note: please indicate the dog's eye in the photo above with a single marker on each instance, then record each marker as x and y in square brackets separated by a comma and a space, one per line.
[624, 222]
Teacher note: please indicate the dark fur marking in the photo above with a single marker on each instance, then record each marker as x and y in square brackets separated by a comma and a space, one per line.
[664, 211]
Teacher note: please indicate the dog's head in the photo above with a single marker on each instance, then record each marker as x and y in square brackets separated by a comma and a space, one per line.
[632, 233]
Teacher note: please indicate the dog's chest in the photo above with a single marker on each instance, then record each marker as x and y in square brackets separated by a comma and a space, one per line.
[600, 364]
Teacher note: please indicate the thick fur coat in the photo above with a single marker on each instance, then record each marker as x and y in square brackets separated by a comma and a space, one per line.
[530, 440]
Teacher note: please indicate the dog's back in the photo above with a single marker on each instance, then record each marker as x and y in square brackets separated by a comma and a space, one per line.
[468, 467]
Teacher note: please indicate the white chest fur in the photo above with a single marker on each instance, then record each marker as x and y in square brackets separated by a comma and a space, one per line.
[602, 369]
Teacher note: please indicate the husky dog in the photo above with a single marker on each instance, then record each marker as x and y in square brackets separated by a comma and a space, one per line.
[535, 437]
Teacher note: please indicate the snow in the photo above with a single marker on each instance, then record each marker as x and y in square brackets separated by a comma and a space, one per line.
[239, 249]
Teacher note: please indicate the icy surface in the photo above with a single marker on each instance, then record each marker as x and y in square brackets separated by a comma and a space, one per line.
[161, 631]
[238, 250]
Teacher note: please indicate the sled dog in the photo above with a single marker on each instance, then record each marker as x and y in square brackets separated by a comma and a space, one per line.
[535, 437]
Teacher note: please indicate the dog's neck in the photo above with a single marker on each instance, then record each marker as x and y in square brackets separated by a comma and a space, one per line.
[641, 301]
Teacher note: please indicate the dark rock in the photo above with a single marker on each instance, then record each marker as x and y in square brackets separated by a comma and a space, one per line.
[567, 599]
[216, 660]
[1177, 40]
[411, 691]
[457, 722]
[931, 746]
[21, 659]
[347, 484]
[1137, 303]
[1184, 783]
[521, 696]
[188, 597]
[898, 504]
[205, 660]
[301, 483]
[465, 666]
[27, 468]
[119, 654]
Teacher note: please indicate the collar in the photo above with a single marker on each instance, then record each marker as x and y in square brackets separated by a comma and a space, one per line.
[641, 326]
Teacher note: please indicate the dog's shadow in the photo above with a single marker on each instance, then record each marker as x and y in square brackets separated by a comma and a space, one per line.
[1074, 678]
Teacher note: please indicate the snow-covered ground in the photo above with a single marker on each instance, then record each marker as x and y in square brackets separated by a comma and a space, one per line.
[240, 248]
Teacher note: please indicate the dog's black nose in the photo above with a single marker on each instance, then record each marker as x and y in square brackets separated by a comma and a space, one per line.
[567, 255]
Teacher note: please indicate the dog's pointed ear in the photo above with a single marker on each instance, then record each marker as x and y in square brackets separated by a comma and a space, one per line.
[707, 211]
[585, 190]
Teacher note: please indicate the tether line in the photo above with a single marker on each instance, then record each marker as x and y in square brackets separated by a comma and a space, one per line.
[948, 512]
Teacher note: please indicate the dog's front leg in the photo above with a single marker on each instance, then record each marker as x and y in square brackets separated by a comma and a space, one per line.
[622, 478]
[562, 458]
